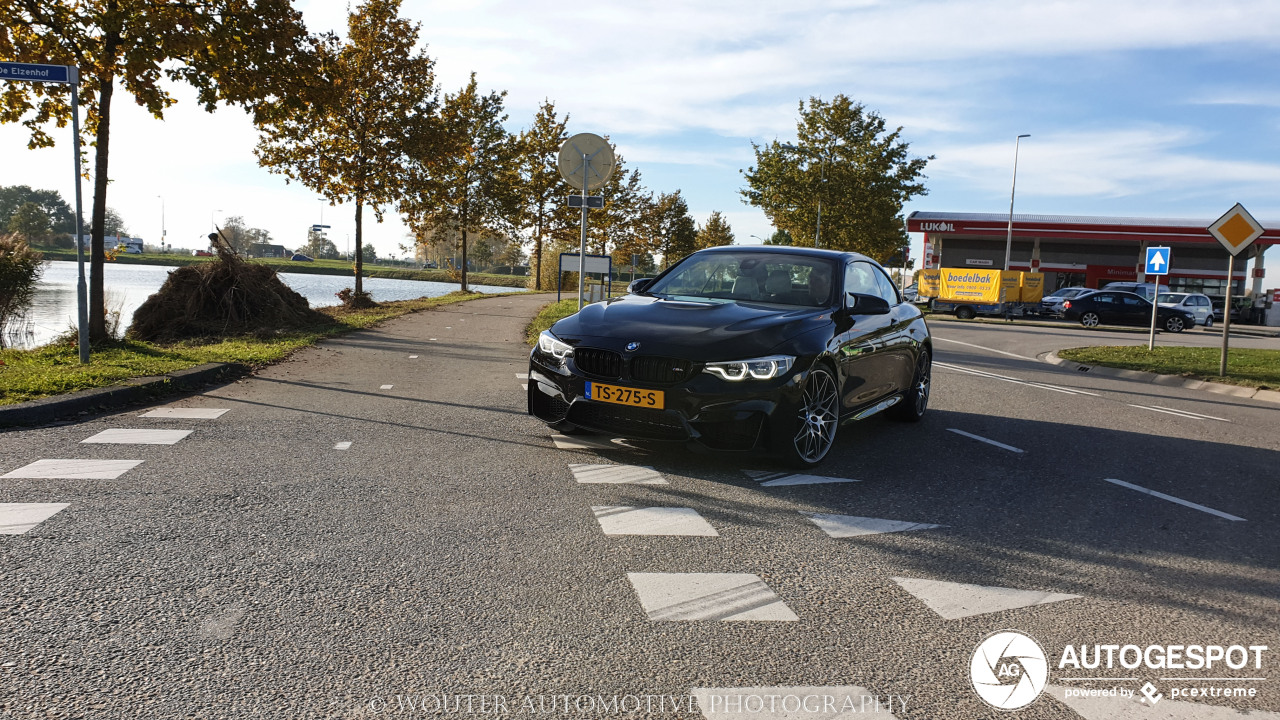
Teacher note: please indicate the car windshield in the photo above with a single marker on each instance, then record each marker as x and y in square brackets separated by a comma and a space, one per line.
[1068, 292]
[746, 276]
[1171, 297]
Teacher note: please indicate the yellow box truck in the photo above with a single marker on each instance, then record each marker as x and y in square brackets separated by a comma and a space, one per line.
[969, 292]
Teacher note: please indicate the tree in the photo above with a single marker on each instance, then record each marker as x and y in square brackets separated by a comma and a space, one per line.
[30, 223]
[466, 178]
[20, 269]
[715, 233]
[626, 204]
[238, 51]
[673, 231]
[368, 254]
[780, 237]
[349, 141]
[860, 172]
[319, 246]
[113, 224]
[61, 219]
[543, 213]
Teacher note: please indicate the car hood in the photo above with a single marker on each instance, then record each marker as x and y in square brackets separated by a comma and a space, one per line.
[695, 330]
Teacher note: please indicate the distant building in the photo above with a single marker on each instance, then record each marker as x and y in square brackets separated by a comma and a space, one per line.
[263, 250]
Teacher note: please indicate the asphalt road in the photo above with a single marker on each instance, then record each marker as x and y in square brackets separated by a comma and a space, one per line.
[253, 569]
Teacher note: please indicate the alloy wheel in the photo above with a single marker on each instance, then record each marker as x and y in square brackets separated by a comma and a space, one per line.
[817, 418]
[1089, 320]
[1174, 324]
[924, 375]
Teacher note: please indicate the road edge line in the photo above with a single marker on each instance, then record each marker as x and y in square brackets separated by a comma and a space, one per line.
[1210, 386]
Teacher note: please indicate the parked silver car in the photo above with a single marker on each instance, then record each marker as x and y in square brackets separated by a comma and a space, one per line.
[1051, 304]
[1195, 303]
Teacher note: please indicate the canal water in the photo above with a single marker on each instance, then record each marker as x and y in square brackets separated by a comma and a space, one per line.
[127, 286]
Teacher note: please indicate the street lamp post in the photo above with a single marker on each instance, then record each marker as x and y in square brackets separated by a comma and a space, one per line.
[164, 234]
[822, 183]
[1008, 244]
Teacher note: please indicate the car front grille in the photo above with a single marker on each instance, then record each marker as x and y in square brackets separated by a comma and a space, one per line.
[660, 370]
[627, 421]
[597, 362]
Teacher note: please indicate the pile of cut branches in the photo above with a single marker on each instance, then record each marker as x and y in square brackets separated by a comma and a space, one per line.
[225, 297]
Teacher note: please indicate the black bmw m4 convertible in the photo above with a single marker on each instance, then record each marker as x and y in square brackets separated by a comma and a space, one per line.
[735, 348]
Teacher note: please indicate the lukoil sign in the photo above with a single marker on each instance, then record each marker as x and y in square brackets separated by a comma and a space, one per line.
[937, 227]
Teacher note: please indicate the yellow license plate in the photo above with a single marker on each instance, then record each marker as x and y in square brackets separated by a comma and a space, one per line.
[624, 395]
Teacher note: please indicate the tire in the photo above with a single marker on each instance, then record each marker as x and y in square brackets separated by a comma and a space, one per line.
[1208, 322]
[1175, 324]
[915, 401]
[1090, 320]
[965, 313]
[813, 432]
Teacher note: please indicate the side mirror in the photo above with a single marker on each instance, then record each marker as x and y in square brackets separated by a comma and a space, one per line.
[859, 304]
[639, 284]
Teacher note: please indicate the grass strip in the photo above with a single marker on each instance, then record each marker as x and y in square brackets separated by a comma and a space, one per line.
[1245, 366]
[548, 315]
[55, 369]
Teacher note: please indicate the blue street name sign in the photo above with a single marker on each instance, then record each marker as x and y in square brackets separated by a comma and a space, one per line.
[37, 73]
[1157, 261]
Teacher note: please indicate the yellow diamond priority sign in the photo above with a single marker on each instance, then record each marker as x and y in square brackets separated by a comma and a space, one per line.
[1236, 230]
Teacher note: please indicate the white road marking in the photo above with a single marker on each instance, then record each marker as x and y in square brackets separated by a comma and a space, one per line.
[432, 338]
[345, 445]
[988, 441]
[780, 479]
[413, 357]
[133, 436]
[845, 702]
[17, 518]
[522, 376]
[186, 413]
[616, 474]
[1134, 707]
[581, 442]
[958, 600]
[652, 521]
[523, 386]
[708, 596]
[1173, 499]
[1180, 413]
[845, 526]
[980, 347]
[74, 469]
[1006, 378]
[385, 387]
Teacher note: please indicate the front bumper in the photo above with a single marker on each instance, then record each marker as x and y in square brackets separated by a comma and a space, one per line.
[703, 410]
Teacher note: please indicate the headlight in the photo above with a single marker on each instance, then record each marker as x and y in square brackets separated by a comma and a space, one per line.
[550, 345]
[756, 369]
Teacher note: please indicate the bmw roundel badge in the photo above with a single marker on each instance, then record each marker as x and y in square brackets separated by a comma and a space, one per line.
[633, 346]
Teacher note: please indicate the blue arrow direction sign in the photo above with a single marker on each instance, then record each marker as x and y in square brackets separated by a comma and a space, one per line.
[1157, 261]
[61, 74]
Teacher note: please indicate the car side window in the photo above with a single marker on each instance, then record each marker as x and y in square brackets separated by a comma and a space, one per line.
[1132, 301]
[1104, 299]
[860, 278]
[888, 290]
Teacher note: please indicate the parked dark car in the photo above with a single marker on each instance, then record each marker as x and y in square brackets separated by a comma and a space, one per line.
[301, 258]
[1106, 307]
[1220, 301]
[738, 349]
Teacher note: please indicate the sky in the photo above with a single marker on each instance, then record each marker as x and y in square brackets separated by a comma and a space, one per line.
[1165, 108]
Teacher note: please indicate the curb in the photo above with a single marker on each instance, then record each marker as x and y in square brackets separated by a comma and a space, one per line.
[127, 392]
[1169, 380]
[1216, 329]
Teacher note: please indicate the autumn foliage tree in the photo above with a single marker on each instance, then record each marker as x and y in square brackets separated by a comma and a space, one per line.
[466, 178]
[238, 51]
[543, 211]
[348, 141]
[715, 233]
[847, 158]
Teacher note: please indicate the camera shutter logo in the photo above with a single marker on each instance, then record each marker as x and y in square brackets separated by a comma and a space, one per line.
[1008, 670]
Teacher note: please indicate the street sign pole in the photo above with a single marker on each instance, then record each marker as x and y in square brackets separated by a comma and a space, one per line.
[593, 157]
[1236, 231]
[582, 245]
[1226, 316]
[1155, 306]
[64, 75]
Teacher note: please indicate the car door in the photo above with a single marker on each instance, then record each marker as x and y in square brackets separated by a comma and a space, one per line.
[1134, 310]
[901, 361]
[863, 343]
[1107, 305]
[1203, 309]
